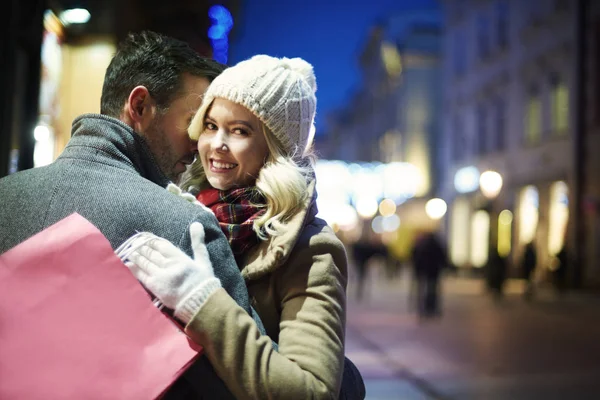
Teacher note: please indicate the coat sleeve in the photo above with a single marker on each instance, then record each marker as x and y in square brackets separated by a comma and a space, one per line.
[311, 288]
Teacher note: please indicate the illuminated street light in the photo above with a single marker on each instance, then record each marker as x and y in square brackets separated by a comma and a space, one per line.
[436, 208]
[490, 183]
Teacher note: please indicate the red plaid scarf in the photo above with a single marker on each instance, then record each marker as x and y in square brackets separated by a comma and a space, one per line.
[236, 209]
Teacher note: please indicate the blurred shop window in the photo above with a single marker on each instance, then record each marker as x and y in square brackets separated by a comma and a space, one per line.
[529, 201]
[558, 216]
[460, 232]
[505, 219]
[559, 103]
[533, 117]
[480, 238]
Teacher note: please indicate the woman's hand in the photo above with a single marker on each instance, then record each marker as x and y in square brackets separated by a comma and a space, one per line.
[178, 281]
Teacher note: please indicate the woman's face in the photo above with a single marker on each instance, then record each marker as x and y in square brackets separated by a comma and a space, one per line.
[231, 146]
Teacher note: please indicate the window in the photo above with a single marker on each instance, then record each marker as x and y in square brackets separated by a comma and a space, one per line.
[458, 142]
[502, 24]
[533, 118]
[482, 131]
[483, 37]
[499, 124]
[460, 54]
[559, 106]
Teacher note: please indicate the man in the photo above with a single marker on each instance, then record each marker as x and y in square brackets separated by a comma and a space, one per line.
[115, 168]
[429, 259]
[529, 263]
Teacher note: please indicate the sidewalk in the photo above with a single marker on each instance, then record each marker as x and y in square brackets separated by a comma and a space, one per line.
[547, 349]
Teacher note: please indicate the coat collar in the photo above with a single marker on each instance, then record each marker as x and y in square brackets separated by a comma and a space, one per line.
[269, 255]
[100, 137]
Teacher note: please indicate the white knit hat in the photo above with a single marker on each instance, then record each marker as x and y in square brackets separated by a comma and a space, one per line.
[279, 91]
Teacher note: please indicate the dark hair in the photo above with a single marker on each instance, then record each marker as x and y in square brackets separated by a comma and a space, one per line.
[155, 61]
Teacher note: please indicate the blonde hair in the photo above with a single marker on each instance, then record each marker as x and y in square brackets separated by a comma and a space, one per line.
[283, 181]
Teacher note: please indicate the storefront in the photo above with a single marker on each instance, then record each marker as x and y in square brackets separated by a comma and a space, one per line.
[505, 221]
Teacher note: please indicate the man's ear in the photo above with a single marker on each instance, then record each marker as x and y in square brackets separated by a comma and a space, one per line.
[140, 109]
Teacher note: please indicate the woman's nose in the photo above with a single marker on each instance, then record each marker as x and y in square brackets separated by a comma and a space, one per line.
[219, 142]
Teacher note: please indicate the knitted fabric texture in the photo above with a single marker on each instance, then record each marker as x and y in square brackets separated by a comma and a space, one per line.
[279, 91]
[235, 209]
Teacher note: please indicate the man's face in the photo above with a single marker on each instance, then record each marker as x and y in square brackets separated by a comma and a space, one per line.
[167, 136]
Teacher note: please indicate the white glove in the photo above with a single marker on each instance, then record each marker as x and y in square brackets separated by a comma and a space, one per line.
[176, 190]
[179, 282]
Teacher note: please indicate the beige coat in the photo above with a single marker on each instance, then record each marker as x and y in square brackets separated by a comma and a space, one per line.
[297, 283]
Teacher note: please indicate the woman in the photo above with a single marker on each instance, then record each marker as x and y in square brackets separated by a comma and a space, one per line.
[255, 171]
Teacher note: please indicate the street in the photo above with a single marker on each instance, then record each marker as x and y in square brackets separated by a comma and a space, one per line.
[547, 349]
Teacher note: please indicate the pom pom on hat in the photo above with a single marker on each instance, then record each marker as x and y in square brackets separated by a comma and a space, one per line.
[303, 68]
[279, 91]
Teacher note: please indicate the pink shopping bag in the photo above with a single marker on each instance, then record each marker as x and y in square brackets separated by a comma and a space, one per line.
[75, 324]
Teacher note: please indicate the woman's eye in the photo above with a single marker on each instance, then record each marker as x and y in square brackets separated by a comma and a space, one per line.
[239, 131]
[210, 126]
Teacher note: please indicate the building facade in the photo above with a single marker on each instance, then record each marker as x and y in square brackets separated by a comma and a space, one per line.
[510, 106]
[393, 121]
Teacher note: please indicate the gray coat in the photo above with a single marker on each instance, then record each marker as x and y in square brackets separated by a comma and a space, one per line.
[108, 175]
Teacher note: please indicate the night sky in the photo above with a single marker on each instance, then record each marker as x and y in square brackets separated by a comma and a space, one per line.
[327, 33]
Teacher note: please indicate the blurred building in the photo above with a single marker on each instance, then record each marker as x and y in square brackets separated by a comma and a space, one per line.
[393, 122]
[511, 104]
[41, 95]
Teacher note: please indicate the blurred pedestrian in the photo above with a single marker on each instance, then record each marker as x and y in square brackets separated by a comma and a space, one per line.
[529, 263]
[429, 259]
[496, 273]
[361, 252]
[560, 273]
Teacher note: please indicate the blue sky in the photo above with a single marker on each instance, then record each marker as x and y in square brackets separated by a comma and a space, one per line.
[327, 33]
